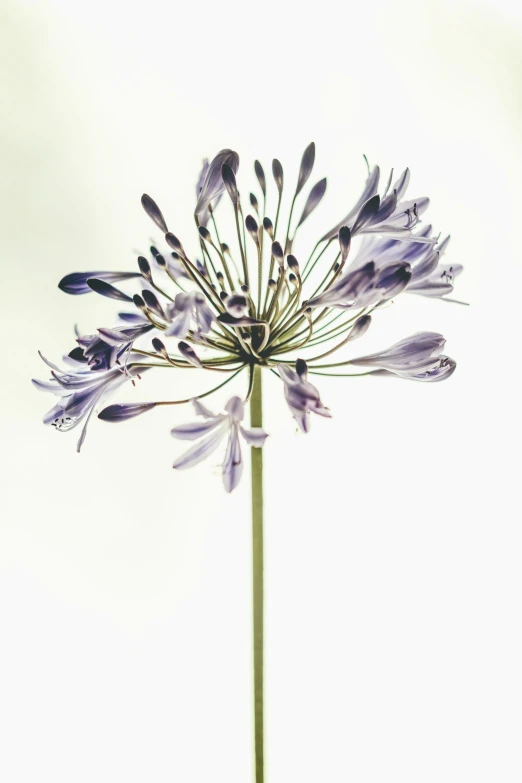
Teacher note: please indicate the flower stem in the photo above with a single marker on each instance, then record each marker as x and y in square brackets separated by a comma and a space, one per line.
[256, 420]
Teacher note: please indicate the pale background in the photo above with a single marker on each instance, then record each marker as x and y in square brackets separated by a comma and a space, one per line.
[393, 540]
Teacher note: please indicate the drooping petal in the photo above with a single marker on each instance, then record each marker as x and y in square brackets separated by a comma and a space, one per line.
[232, 467]
[201, 450]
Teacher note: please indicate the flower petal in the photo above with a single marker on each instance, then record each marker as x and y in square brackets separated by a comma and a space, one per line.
[254, 436]
[197, 429]
[200, 451]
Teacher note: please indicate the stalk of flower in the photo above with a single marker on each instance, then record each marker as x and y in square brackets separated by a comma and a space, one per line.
[258, 302]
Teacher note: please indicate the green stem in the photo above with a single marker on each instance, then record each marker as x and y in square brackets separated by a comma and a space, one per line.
[256, 420]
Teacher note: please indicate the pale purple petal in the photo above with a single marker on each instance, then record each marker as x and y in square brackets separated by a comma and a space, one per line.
[232, 467]
[235, 408]
[200, 451]
[197, 429]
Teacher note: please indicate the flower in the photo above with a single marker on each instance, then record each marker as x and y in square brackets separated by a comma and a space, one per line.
[365, 286]
[212, 185]
[80, 392]
[107, 348]
[417, 357]
[429, 277]
[386, 214]
[260, 302]
[189, 311]
[210, 433]
[302, 397]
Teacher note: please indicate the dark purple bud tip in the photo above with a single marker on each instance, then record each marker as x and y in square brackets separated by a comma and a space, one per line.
[225, 248]
[144, 268]
[120, 412]
[252, 228]
[254, 202]
[189, 354]
[154, 212]
[161, 261]
[277, 171]
[277, 252]
[138, 301]
[293, 264]
[106, 289]
[345, 238]
[292, 278]
[268, 226]
[260, 174]
[229, 178]
[174, 243]
[301, 369]
[245, 289]
[205, 234]
[245, 320]
[237, 305]
[158, 345]
[223, 295]
[154, 251]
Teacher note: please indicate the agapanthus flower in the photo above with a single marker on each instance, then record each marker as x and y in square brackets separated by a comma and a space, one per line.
[260, 303]
[418, 357]
[80, 392]
[211, 432]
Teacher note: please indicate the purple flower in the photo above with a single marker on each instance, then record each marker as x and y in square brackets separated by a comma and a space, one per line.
[429, 277]
[212, 185]
[302, 397]
[418, 357]
[364, 287]
[204, 216]
[386, 215]
[210, 433]
[189, 311]
[109, 347]
[79, 392]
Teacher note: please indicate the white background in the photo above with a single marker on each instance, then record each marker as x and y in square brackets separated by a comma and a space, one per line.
[393, 541]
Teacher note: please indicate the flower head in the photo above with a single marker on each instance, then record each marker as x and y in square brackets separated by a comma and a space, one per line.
[260, 302]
